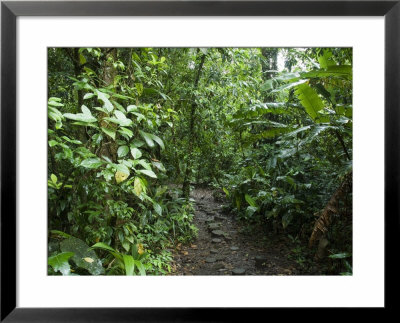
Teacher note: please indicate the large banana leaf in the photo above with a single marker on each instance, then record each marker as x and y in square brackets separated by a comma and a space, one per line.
[310, 100]
[342, 71]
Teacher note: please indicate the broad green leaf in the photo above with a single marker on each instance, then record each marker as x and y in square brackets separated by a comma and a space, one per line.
[86, 111]
[147, 137]
[53, 143]
[325, 60]
[109, 132]
[106, 102]
[131, 108]
[137, 143]
[126, 245]
[147, 172]
[136, 153]
[120, 119]
[310, 100]
[125, 132]
[157, 140]
[124, 123]
[80, 117]
[60, 262]
[295, 132]
[122, 151]
[288, 77]
[250, 200]
[144, 163]
[129, 265]
[91, 163]
[121, 168]
[341, 71]
[120, 115]
[54, 102]
[81, 251]
[288, 86]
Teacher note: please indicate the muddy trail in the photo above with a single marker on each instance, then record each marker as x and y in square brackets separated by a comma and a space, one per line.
[222, 246]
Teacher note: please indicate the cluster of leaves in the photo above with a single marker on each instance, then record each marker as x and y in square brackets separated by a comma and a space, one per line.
[296, 148]
[107, 184]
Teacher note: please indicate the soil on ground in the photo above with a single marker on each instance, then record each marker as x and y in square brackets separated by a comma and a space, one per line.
[223, 247]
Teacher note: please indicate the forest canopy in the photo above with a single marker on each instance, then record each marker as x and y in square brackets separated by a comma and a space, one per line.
[144, 142]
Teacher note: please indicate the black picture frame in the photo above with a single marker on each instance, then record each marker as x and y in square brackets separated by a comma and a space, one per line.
[10, 10]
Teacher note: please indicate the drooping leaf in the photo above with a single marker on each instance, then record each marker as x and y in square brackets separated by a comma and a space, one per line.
[80, 117]
[157, 140]
[109, 132]
[106, 102]
[147, 137]
[129, 265]
[310, 100]
[147, 172]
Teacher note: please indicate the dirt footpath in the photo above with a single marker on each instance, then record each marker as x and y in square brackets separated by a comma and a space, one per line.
[223, 248]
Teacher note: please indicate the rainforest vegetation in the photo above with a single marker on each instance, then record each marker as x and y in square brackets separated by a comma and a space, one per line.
[202, 161]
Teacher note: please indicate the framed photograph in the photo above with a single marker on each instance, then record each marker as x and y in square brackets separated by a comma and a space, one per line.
[204, 148]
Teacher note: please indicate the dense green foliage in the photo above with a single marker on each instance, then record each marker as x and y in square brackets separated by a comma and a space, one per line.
[131, 130]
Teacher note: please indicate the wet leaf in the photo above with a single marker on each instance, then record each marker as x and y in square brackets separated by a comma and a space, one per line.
[60, 262]
[81, 250]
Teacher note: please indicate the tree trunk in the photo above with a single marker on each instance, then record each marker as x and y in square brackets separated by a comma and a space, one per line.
[186, 181]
